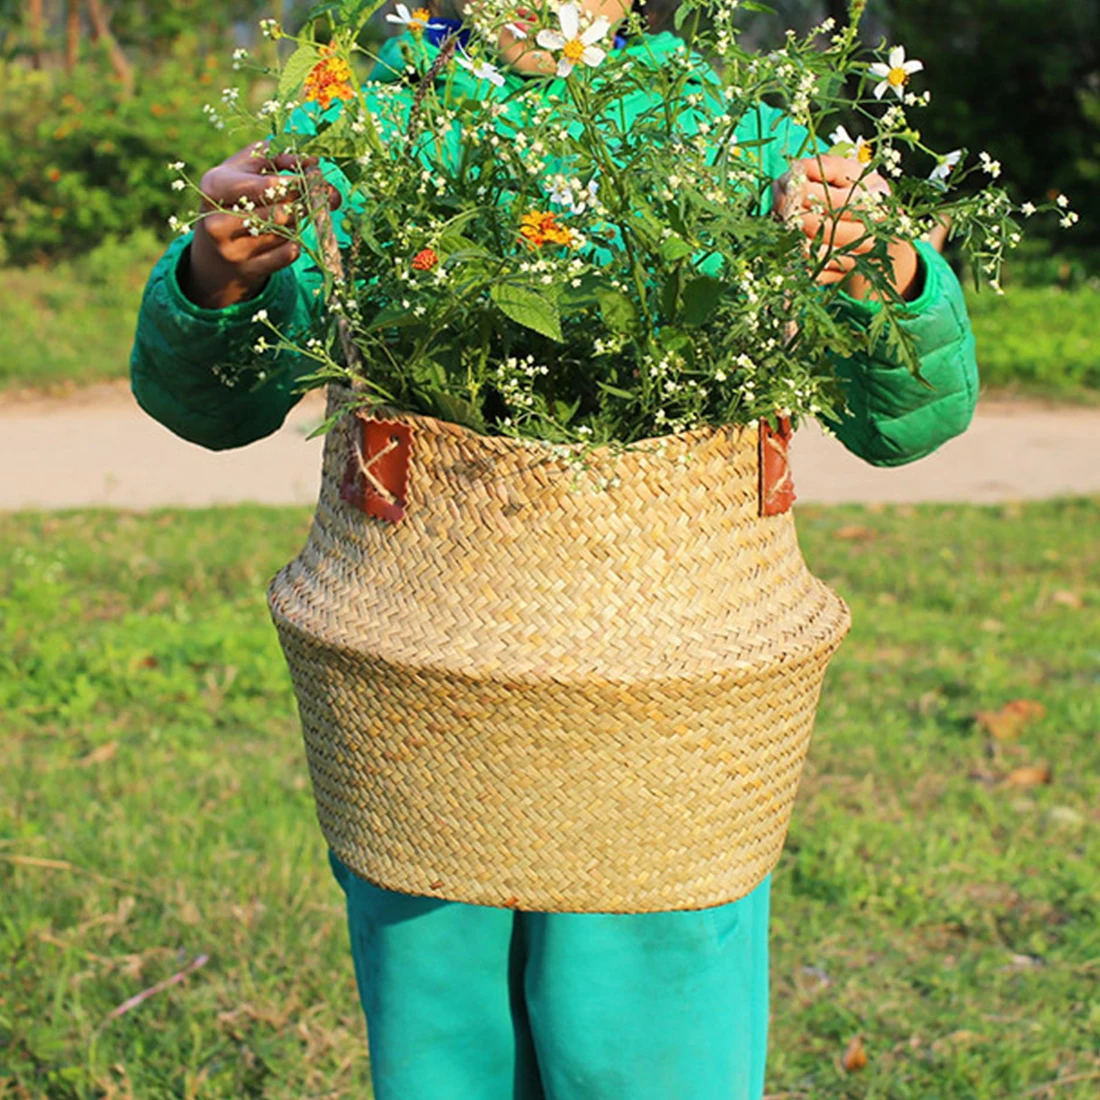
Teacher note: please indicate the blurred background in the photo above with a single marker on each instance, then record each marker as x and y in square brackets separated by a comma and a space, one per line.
[96, 96]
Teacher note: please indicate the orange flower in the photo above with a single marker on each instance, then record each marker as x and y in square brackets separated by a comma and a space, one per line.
[543, 228]
[329, 79]
[425, 260]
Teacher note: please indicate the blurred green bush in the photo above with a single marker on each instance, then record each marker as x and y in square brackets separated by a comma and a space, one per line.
[83, 162]
[1039, 340]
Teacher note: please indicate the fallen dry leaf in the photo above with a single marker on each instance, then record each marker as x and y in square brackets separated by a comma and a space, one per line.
[855, 1057]
[1068, 599]
[853, 532]
[99, 755]
[1030, 775]
[1007, 723]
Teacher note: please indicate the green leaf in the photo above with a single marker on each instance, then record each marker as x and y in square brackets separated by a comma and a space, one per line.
[529, 308]
[624, 395]
[296, 69]
[617, 310]
[674, 339]
[700, 297]
[670, 295]
[675, 248]
[458, 410]
[393, 316]
[334, 139]
[565, 411]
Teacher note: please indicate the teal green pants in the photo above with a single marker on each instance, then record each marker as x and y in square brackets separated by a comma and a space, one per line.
[467, 1002]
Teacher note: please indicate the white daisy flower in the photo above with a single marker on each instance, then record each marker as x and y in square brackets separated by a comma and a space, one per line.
[483, 70]
[844, 145]
[416, 20]
[946, 165]
[895, 74]
[576, 48]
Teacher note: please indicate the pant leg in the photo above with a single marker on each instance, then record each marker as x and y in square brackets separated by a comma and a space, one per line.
[441, 987]
[656, 1006]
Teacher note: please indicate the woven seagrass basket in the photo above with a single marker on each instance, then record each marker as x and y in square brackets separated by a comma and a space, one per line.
[556, 690]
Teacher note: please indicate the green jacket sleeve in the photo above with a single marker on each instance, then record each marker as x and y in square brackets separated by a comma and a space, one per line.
[197, 371]
[894, 418]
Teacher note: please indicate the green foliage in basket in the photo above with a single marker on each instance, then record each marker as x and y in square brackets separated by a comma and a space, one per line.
[585, 252]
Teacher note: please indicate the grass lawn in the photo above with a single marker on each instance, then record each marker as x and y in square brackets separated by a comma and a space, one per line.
[937, 900]
[73, 324]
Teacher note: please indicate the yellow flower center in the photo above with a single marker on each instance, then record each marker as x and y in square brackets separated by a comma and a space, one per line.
[573, 50]
[897, 77]
[419, 20]
[864, 153]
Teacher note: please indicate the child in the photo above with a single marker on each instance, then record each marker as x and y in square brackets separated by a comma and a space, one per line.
[476, 1003]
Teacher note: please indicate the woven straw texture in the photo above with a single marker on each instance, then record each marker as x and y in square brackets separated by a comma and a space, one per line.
[541, 691]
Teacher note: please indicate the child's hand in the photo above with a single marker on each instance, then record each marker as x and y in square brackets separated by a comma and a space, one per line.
[228, 263]
[833, 199]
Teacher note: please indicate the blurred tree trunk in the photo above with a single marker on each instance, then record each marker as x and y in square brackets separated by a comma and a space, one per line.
[72, 34]
[101, 32]
[34, 21]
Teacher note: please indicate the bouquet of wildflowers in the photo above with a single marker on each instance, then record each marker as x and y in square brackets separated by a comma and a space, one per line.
[555, 231]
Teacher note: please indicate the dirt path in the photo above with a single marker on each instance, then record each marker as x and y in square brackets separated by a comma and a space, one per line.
[96, 448]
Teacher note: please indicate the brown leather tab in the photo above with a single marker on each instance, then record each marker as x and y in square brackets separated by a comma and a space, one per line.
[776, 484]
[377, 476]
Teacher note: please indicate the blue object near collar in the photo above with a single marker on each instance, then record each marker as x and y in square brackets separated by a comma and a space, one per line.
[439, 30]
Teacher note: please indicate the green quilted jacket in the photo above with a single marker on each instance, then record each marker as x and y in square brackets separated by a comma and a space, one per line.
[183, 354]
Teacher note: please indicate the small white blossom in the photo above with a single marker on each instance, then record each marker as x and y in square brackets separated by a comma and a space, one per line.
[989, 165]
[259, 316]
[1027, 209]
[1062, 201]
[178, 185]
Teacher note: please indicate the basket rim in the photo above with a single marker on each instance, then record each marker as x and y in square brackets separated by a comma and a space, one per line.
[610, 450]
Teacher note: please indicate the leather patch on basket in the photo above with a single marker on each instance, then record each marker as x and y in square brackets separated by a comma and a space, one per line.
[376, 480]
[776, 484]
